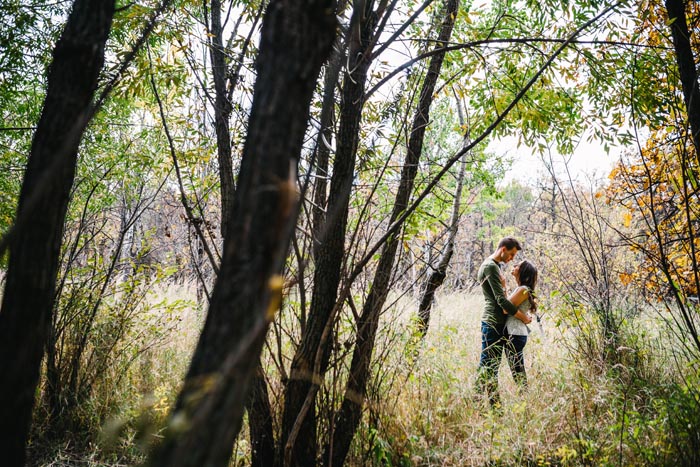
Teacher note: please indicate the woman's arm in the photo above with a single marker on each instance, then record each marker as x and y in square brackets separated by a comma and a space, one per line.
[518, 296]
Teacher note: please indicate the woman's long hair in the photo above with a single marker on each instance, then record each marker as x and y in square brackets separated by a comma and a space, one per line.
[528, 277]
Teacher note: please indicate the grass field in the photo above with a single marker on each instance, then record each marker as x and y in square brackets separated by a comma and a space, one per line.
[574, 411]
[423, 408]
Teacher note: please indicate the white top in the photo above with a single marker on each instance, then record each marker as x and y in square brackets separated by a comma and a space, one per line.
[516, 327]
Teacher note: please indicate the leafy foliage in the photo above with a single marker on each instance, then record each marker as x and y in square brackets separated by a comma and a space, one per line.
[127, 234]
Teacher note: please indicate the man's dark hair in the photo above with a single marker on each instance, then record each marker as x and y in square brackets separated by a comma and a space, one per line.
[510, 243]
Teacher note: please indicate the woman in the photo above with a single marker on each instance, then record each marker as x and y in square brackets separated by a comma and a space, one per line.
[523, 297]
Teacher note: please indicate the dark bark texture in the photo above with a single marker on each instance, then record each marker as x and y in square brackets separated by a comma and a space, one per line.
[295, 40]
[435, 280]
[34, 251]
[258, 405]
[348, 417]
[262, 436]
[325, 135]
[222, 114]
[686, 67]
[304, 377]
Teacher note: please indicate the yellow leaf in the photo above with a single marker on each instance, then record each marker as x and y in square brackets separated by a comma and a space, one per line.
[627, 219]
[625, 278]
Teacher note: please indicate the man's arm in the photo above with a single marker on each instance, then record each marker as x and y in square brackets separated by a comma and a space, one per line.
[493, 277]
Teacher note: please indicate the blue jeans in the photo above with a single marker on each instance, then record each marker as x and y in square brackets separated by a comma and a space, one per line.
[516, 361]
[493, 341]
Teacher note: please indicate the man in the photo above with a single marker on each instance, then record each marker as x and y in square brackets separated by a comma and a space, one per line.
[493, 321]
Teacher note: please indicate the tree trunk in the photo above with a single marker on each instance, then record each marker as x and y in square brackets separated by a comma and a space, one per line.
[301, 446]
[686, 67]
[295, 40]
[34, 251]
[348, 417]
[258, 406]
[262, 438]
[437, 275]
[325, 135]
[222, 114]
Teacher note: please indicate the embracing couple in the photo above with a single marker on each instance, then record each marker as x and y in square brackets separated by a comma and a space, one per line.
[505, 319]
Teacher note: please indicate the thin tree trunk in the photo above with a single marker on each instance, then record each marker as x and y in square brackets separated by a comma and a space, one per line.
[262, 441]
[295, 40]
[437, 275]
[222, 114]
[300, 448]
[348, 417]
[686, 67]
[689, 80]
[34, 251]
[325, 135]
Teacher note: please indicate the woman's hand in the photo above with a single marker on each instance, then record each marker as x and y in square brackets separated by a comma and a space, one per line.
[524, 317]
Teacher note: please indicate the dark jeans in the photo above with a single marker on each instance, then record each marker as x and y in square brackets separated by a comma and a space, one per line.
[514, 354]
[493, 341]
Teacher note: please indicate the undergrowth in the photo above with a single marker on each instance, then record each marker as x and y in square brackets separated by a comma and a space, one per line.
[576, 411]
[423, 410]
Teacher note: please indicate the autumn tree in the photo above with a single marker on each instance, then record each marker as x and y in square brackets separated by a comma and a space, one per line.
[658, 182]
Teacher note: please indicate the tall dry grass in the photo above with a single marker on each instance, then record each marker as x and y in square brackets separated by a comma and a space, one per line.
[128, 404]
[574, 412]
[424, 410]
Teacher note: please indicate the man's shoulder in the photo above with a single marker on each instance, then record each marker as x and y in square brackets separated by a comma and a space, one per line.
[486, 267]
[489, 263]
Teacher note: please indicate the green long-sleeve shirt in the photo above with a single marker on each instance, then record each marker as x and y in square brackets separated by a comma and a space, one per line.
[489, 276]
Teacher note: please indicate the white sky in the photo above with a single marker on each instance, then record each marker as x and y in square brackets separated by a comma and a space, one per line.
[589, 160]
